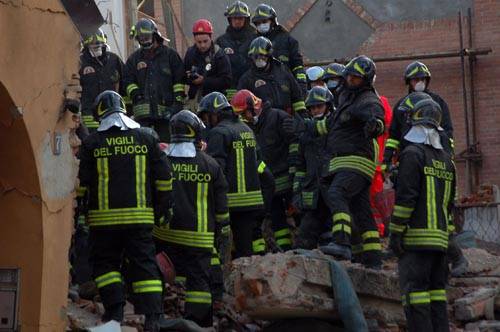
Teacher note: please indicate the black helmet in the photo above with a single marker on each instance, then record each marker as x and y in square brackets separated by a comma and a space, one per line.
[185, 126]
[409, 102]
[106, 103]
[361, 66]
[427, 112]
[215, 103]
[260, 46]
[144, 31]
[237, 9]
[264, 12]
[417, 69]
[319, 95]
[333, 70]
[97, 38]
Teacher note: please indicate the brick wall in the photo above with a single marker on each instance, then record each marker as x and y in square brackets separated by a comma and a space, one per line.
[442, 35]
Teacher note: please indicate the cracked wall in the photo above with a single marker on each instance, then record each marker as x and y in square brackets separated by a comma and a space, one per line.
[36, 185]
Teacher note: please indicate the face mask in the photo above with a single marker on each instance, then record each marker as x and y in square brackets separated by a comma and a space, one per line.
[318, 116]
[264, 28]
[95, 52]
[260, 63]
[332, 84]
[419, 87]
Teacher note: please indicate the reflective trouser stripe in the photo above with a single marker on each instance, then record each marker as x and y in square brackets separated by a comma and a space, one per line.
[258, 246]
[341, 222]
[147, 286]
[140, 180]
[416, 298]
[103, 181]
[438, 295]
[108, 279]
[198, 297]
[201, 207]
[283, 236]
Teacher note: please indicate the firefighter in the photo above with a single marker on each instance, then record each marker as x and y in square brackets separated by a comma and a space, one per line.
[334, 80]
[236, 42]
[100, 70]
[417, 76]
[315, 77]
[352, 152]
[276, 148]
[309, 195]
[419, 225]
[154, 79]
[270, 80]
[199, 214]
[206, 65]
[286, 48]
[232, 143]
[128, 186]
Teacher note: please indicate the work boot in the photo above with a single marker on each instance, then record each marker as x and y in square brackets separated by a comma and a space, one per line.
[459, 267]
[325, 238]
[113, 312]
[372, 260]
[339, 251]
[152, 323]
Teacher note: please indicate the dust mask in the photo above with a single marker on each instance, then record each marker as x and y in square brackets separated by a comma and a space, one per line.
[332, 84]
[420, 86]
[264, 28]
[260, 63]
[95, 52]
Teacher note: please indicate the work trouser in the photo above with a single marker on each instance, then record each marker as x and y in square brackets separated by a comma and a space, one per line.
[81, 270]
[108, 248]
[161, 126]
[281, 229]
[349, 196]
[247, 233]
[422, 279]
[216, 277]
[315, 227]
[192, 265]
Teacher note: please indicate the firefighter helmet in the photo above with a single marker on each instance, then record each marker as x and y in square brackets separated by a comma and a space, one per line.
[427, 112]
[97, 38]
[417, 69]
[237, 9]
[106, 103]
[260, 46]
[144, 31]
[361, 66]
[185, 126]
[319, 95]
[333, 70]
[315, 73]
[408, 103]
[264, 12]
[215, 103]
[202, 27]
[245, 100]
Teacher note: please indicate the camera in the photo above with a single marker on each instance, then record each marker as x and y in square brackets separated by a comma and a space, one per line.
[195, 72]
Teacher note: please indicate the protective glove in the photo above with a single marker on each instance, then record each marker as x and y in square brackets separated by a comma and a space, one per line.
[373, 128]
[289, 125]
[396, 244]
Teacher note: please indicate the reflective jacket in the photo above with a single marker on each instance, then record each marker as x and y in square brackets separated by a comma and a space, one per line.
[424, 198]
[276, 85]
[157, 75]
[96, 76]
[235, 43]
[125, 177]
[232, 143]
[200, 201]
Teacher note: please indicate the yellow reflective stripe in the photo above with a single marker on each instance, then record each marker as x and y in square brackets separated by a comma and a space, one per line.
[446, 198]
[370, 235]
[258, 245]
[185, 238]
[198, 297]
[222, 216]
[214, 261]
[297, 68]
[293, 148]
[362, 164]
[413, 72]
[250, 198]
[341, 216]
[359, 69]
[202, 207]
[392, 143]
[307, 197]
[103, 182]
[419, 297]
[163, 185]
[438, 295]
[283, 241]
[292, 170]
[300, 105]
[431, 203]
[140, 180]
[376, 149]
[301, 76]
[321, 127]
[282, 183]
[395, 228]
[341, 228]
[371, 246]
[131, 87]
[147, 286]
[180, 279]
[179, 87]
[282, 232]
[89, 121]
[108, 278]
[261, 168]
[240, 170]
[402, 211]
[80, 191]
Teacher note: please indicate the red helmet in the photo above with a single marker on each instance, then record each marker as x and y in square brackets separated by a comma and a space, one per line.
[202, 26]
[245, 100]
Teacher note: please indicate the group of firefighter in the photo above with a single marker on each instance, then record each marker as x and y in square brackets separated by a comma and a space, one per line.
[184, 155]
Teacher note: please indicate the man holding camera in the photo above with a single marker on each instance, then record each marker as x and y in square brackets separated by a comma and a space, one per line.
[207, 66]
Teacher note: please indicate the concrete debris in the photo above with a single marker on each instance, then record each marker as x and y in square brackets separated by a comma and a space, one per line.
[478, 304]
